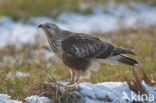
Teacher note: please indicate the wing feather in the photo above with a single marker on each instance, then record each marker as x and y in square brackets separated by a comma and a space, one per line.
[82, 45]
[87, 46]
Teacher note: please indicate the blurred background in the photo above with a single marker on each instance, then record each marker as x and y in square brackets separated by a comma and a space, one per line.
[25, 58]
[19, 18]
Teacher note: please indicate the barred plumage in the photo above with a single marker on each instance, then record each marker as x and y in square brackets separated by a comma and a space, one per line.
[80, 51]
[53, 46]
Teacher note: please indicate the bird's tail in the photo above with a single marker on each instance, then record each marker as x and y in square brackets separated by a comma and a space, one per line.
[125, 60]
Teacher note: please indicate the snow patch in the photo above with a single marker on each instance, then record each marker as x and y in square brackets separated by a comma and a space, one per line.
[37, 99]
[109, 18]
[18, 75]
[6, 99]
[13, 32]
[117, 92]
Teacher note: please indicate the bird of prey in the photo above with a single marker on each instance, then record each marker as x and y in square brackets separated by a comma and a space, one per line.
[83, 53]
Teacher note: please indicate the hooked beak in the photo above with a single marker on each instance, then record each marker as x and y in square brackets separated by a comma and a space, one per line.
[40, 26]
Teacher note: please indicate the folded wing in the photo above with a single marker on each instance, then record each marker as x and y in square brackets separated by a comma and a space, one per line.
[87, 46]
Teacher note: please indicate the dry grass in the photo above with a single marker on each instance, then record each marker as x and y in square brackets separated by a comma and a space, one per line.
[30, 59]
[62, 93]
[54, 90]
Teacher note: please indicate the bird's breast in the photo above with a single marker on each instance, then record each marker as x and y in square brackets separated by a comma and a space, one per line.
[55, 46]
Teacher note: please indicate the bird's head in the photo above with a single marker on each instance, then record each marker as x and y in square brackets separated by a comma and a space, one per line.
[50, 29]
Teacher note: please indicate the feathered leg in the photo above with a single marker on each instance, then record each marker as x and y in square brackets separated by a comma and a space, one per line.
[73, 74]
[77, 76]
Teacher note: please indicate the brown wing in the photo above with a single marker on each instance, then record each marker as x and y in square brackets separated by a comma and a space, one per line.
[83, 45]
[87, 46]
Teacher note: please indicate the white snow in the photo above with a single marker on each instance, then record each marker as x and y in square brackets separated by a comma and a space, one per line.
[18, 75]
[117, 92]
[6, 99]
[37, 99]
[15, 32]
[32, 99]
[104, 19]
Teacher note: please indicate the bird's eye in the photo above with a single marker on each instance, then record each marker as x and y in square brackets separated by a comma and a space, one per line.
[47, 26]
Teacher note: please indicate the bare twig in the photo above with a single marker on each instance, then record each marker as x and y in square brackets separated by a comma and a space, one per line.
[144, 77]
[136, 84]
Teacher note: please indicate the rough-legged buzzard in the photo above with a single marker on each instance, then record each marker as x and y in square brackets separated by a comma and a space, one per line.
[83, 53]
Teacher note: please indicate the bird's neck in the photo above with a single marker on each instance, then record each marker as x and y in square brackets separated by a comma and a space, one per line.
[53, 34]
[55, 43]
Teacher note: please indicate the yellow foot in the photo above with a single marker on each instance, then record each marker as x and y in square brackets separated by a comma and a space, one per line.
[77, 83]
[73, 83]
[69, 87]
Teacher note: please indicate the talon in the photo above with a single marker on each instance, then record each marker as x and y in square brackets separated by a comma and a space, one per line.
[77, 83]
[70, 82]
